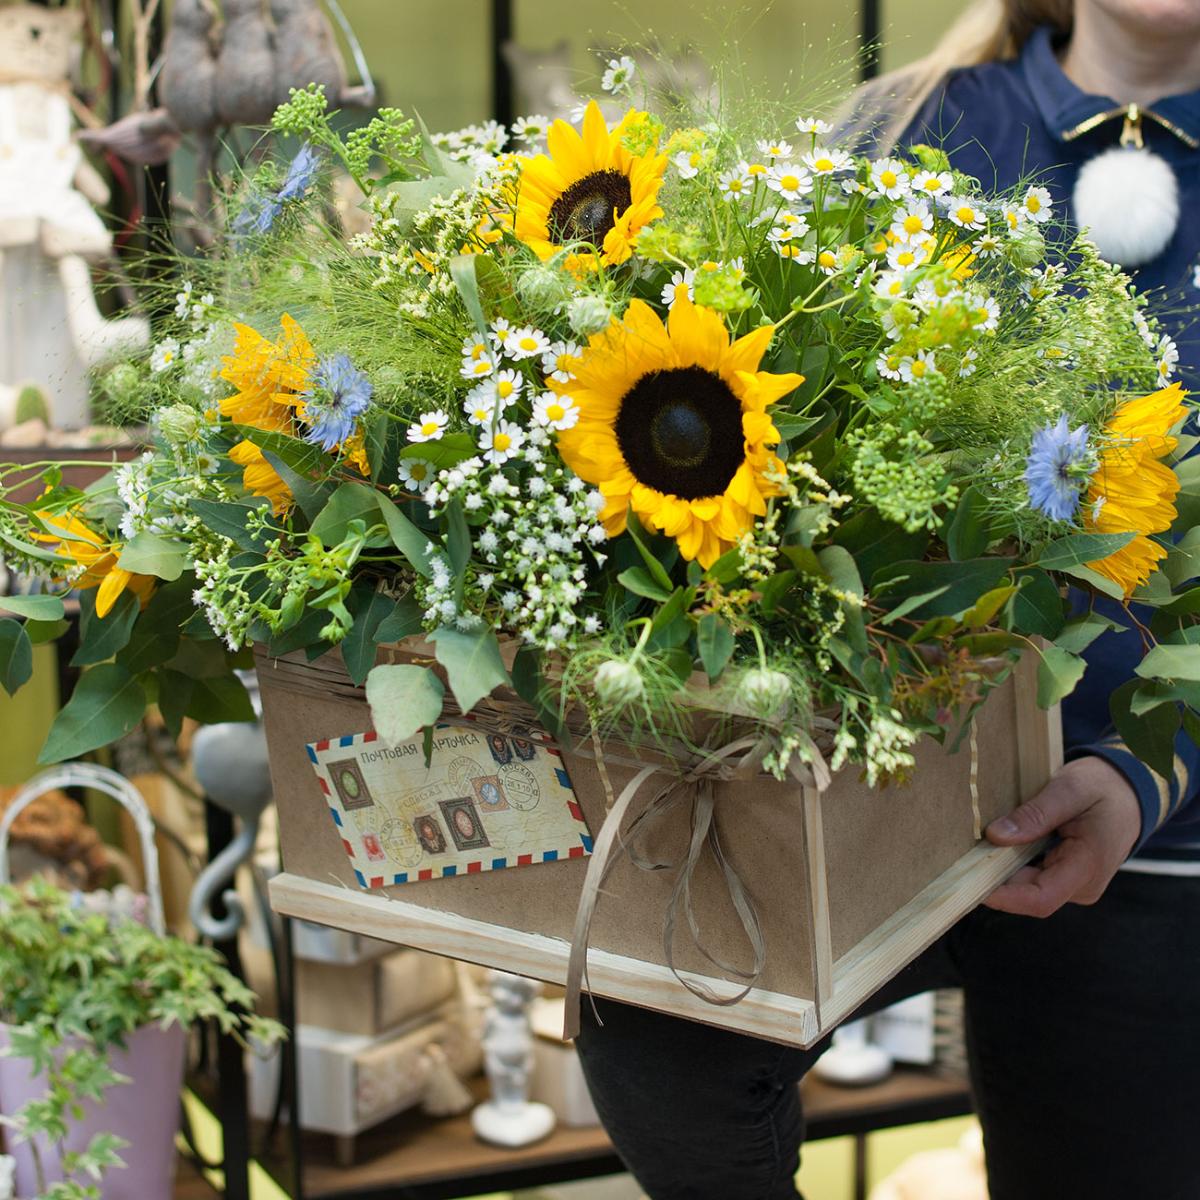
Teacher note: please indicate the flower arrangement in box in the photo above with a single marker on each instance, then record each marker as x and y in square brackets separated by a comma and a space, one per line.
[693, 416]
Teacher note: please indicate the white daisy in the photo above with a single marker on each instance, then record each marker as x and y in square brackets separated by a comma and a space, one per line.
[822, 161]
[903, 255]
[501, 442]
[530, 129]
[475, 347]
[559, 360]
[1168, 357]
[689, 162]
[812, 125]
[684, 280]
[477, 368]
[1037, 204]
[619, 74]
[527, 342]
[789, 180]
[964, 213]
[758, 171]
[933, 183]
[987, 246]
[555, 412]
[891, 285]
[1143, 327]
[985, 312]
[914, 368]
[912, 223]
[790, 250]
[501, 330]
[505, 386]
[787, 226]
[429, 427]
[889, 178]
[480, 406]
[774, 149]
[416, 474]
[888, 365]
[967, 366]
[164, 355]
[734, 184]
[1014, 216]
[183, 300]
[827, 262]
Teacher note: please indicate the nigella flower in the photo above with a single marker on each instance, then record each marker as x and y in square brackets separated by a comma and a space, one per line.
[337, 393]
[300, 174]
[259, 213]
[1052, 469]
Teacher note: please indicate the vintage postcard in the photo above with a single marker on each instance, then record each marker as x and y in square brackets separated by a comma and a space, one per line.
[485, 801]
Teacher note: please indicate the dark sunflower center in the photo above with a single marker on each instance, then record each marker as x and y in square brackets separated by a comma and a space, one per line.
[585, 211]
[680, 431]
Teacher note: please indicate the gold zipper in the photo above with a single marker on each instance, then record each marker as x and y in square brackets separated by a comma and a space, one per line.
[1131, 131]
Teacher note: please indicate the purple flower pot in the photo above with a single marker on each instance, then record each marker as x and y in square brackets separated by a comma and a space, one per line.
[145, 1113]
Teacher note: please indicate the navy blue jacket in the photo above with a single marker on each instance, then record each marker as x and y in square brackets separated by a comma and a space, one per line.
[1001, 122]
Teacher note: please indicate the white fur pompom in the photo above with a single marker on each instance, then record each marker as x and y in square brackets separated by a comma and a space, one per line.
[1127, 201]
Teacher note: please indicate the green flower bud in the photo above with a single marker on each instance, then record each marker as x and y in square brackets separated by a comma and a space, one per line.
[122, 384]
[588, 314]
[1028, 246]
[178, 424]
[543, 287]
[618, 683]
[763, 692]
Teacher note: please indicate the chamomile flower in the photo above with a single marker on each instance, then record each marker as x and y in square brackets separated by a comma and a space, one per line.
[1014, 216]
[163, 357]
[734, 184]
[477, 368]
[889, 179]
[183, 300]
[416, 474]
[933, 183]
[827, 262]
[1143, 327]
[891, 285]
[888, 365]
[475, 347]
[206, 462]
[903, 255]
[798, 255]
[789, 180]
[560, 358]
[787, 226]
[429, 427]
[757, 171]
[914, 368]
[968, 364]
[1168, 358]
[481, 406]
[813, 125]
[526, 342]
[985, 312]
[501, 331]
[502, 441]
[689, 163]
[553, 411]
[774, 150]
[681, 281]
[987, 246]
[619, 74]
[964, 213]
[505, 387]
[912, 223]
[1037, 204]
[530, 129]
[822, 161]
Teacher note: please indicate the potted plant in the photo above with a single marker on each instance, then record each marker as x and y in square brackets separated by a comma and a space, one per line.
[94, 1013]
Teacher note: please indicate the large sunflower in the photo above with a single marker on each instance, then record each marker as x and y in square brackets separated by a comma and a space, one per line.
[673, 424]
[1132, 490]
[588, 188]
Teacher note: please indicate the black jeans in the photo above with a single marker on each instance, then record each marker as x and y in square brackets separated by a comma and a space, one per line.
[1084, 1037]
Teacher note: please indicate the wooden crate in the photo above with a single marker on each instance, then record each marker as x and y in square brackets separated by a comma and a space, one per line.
[849, 884]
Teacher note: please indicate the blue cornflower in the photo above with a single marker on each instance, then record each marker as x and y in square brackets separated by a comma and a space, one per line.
[338, 392]
[1051, 471]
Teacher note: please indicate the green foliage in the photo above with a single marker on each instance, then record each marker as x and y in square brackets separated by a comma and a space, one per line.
[73, 986]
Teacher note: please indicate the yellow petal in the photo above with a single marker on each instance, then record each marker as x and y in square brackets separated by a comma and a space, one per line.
[112, 587]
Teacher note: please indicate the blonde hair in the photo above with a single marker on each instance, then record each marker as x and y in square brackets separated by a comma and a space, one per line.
[989, 30]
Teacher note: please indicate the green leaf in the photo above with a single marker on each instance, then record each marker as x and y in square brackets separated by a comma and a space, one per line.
[1170, 662]
[149, 554]
[1058, 673]
[45, 631]
[458, 538]
[1078, 549]
[107, 703]
[102, 637]
[403, 621]
[965, 582]
[907, 605]
[358, 646]
[223, 698]
[1077, 635]
[639, 581]
[1153, 693]
[403, 700]
[985, 609]
[37, 608]
[528, 684]
[656, 569]
[876, 542]
[1183, 560]
[448, 451]
[967, 534]
[310, 494]
[842, 570]
[1151, 736]
[350, 502]
[231, 520]
[726, 569]
[463, 272]
[473, 664]
[157, 632]
[406, 537]
[715, 641]
[16, 656]
[1037, 608]
[1096, 581]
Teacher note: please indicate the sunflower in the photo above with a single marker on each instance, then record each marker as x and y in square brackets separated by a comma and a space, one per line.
[673, 424]
[96, 559]
[269, 377]
[588, 188]
[1132, 490]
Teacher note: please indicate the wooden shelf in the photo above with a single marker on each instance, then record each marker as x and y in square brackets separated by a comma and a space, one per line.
[443, 1157]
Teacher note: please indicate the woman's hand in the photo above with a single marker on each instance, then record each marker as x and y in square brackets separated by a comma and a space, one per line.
[1095, 812]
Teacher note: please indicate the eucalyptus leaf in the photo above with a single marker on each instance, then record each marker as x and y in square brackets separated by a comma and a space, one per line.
[473, 664]
[16, 656]
[404, 699]
[406, 537]
[37, 608]
[715, 642]
[102, 637]
[1151, 735]
[358, 646]
[150, 554]
[1058, 673]
[1170, 662]
[1079, 549]
[108, 701]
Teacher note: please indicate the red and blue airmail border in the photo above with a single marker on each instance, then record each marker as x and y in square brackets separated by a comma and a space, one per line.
[483, 801]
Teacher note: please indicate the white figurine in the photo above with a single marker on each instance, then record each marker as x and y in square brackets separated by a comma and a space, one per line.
[51, 333]
[8, 1166]
[509, 1118]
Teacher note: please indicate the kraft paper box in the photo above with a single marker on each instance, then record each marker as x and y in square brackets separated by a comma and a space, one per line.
[849, 885]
